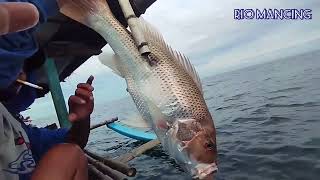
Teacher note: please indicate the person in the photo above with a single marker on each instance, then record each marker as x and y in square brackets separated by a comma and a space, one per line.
[18, 23]
[28, 150]
[41, 140]
[38, 144]
[17, 41]
[75, 163]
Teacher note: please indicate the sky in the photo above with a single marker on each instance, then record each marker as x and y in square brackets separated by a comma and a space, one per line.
[207, 33]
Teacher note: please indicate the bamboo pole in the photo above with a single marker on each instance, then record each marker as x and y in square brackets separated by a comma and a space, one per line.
[104, 123]
[116, 165]
[105, 169]
[97, 173]
[138, 151]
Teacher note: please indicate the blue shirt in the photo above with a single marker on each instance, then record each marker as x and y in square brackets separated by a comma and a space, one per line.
[16, 47]
[42, 139]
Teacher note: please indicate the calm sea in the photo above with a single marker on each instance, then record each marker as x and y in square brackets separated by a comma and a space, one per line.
[267, 118]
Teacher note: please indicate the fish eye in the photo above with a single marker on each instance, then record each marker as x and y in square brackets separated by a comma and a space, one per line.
[210, 146]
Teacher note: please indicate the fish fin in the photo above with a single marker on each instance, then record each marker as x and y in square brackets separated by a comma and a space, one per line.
[160, 118]
[155, 38]
[112, 61]
[136, 121]
[186, 64]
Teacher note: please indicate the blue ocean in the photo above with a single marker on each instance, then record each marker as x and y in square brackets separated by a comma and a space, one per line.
[267, 118]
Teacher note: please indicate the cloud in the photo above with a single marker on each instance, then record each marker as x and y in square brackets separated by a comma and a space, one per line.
[215, 42]
[207, 32]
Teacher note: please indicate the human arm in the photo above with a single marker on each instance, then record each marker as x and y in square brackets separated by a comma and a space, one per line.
[80, 108]
[42, 139]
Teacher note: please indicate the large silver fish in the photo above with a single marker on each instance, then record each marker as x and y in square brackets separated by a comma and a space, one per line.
[165, 88]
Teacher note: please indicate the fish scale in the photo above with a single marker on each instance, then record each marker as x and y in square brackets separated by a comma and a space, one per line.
[180, 84]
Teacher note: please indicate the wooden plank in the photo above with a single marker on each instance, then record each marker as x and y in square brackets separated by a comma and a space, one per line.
[117, 165]
[106, 169]
[138, 151]
[97, 173]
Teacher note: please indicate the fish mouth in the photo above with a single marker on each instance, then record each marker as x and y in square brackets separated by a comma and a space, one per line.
[202, 171]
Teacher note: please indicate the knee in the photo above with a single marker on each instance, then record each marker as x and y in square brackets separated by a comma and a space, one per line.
[70, 151]
[62, 161]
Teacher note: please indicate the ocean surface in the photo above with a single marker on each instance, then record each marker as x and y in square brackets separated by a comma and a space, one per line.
[267, 118]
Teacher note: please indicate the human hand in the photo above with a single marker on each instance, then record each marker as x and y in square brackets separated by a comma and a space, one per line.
[81, 104]
[17, 16]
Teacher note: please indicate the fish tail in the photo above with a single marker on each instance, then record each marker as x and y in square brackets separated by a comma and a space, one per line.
[97, 15]
[83, 10]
